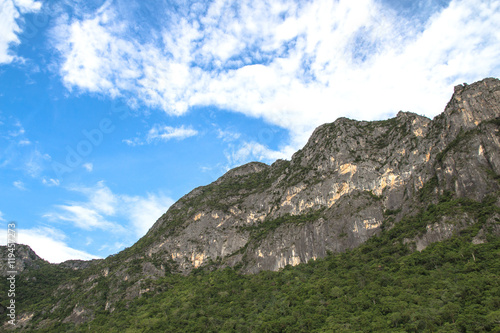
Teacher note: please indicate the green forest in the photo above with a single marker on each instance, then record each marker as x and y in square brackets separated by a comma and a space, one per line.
[381, 286]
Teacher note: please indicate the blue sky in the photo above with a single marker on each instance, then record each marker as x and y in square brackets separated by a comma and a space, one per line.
[110, 111]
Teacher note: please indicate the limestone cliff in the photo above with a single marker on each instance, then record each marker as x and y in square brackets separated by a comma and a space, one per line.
[334, 193]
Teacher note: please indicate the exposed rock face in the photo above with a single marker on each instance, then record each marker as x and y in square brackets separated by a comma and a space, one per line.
[25, 258]
[78, 264]
[336, 189]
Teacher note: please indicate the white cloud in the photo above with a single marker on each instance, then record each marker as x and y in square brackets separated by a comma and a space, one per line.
[83, 217]
[251, 151]
[90, 214]
[144, 211]
[27, 6]
[19, 129]
[165, 133]
[162, 133]
[50, 244]
[88, 166]
[295, 64]
[24, 142]
[1, 217]
[20, 185]
[36, 162]
[133, 142]
[227, 136]
[102, 206]
[10, 14]
[101, 198]
[50, 182]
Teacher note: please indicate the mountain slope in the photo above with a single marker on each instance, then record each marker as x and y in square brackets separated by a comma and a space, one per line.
[333, 194]
[410, 180]
[451, 286]
[381, 286]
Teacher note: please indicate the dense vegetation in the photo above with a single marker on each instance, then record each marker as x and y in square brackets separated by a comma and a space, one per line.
[451, 286]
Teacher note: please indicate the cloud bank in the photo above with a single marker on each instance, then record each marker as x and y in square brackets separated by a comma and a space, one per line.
[294, 64]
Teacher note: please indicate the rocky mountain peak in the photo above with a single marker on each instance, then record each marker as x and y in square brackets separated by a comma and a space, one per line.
[25, 258]
[336, 188]
[246, 169]
[472, 104]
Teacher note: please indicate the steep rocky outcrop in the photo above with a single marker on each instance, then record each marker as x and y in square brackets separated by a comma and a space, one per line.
[333, 194]
[24, 258]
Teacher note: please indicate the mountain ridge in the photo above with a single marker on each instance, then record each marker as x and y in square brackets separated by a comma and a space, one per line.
[351, 181]
[340, 150]
[456, 115]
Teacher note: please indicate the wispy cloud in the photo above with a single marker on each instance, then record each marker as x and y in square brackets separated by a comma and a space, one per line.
[11, 12]
[50, 181]
[102, 208]
[24, 142]
[227, 135]
[19, 185]
[113, 248]
[144, 211]
[17, 130]
[88, 166]
[90, 214]
[36, 162]
[19, 152]
[295, 64]
[163, 133]
[251, 151]
[83, 217]
[133, 142]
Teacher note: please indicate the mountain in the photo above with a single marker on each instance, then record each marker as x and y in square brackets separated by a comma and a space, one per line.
[335, 193]
[402, 183]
